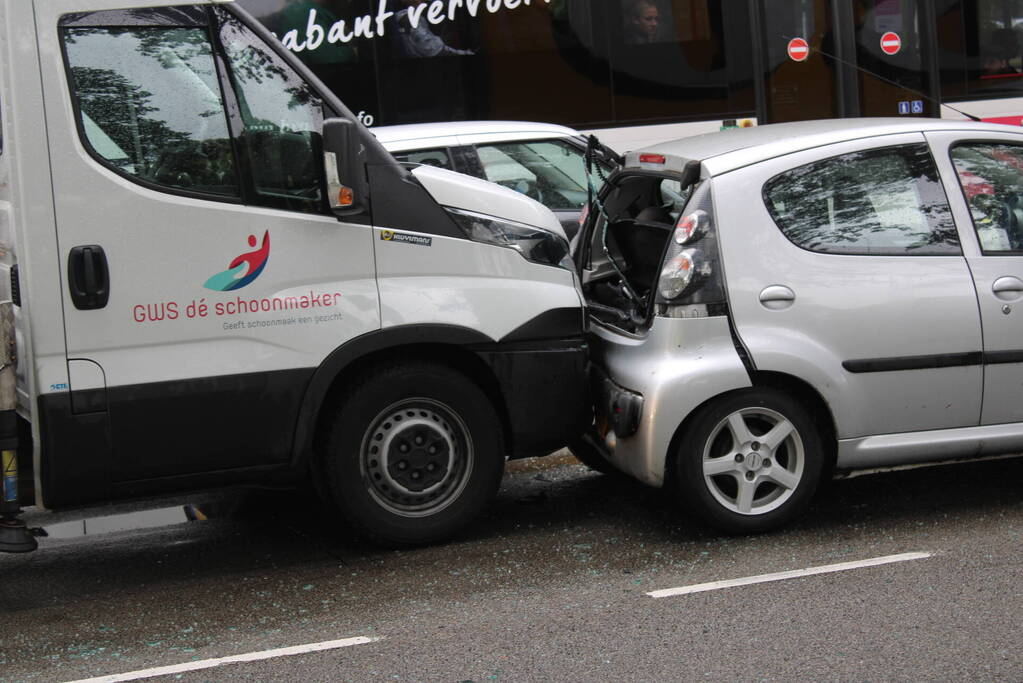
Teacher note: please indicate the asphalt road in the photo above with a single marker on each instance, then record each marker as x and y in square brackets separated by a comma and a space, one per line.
[549, 586]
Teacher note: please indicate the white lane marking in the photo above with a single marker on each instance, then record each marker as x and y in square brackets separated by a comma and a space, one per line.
[791, 574]
[219, 661]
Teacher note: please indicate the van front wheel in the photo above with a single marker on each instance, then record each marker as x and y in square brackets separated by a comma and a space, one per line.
[414, 453]
[749, 461]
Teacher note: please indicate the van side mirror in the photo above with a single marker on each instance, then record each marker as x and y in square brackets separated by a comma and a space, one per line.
[344, 163]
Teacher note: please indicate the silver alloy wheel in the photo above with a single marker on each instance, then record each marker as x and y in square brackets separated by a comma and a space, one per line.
[753, 461]
[416, 457]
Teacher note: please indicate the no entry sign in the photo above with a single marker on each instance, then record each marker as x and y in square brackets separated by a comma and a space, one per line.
[798, 50]
[891, 43]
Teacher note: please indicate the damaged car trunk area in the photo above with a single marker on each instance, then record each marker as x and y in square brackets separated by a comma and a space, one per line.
[647, 245]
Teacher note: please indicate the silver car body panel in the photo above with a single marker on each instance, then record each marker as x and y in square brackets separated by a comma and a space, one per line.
[726, 151]
[889, 450]
[677, 365]
[1001, 312]
[849, 307]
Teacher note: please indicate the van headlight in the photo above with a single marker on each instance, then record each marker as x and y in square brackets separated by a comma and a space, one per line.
[536, 245]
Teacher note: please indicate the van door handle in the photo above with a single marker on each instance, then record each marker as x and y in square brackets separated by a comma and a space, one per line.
[1008, 288]
[777, 297]
[88, 277]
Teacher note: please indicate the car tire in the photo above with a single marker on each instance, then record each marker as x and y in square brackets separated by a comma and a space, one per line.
[413, 453]
[749, 461]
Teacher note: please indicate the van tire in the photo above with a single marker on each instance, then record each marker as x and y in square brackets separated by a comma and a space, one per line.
[413, 453]
[737, 475]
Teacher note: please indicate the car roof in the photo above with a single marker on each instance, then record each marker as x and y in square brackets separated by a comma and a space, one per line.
[422, 135]
[734, 148]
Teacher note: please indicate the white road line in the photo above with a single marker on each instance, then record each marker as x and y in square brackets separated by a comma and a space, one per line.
[248, 657]
[792, 574]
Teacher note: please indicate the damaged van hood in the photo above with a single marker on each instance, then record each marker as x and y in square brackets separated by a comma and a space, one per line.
[460, 191]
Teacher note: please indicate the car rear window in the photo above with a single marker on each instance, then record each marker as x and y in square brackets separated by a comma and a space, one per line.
[886, 201]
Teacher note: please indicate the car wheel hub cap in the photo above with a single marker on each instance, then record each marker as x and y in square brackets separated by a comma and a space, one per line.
[753, 461]
[418, 455]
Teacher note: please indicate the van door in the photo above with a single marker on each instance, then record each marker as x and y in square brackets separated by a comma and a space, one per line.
[845, 271]
[205, 276]
[984, 176]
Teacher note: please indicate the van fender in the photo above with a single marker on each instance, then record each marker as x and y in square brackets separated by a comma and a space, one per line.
[343, 357]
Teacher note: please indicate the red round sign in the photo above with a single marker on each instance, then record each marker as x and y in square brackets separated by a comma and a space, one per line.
[798, 49]
[891, 43]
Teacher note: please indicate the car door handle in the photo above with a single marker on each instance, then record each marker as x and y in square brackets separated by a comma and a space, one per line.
[777, 297]
[88, 277]
[1008, 288]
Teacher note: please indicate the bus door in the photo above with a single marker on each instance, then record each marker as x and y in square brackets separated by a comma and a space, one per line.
[862, 58]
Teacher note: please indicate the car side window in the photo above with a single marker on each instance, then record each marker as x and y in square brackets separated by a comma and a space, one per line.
[886, 201]
[149, 105]
[550, 171]
[282, 119]
[991, 177]
[431, 157]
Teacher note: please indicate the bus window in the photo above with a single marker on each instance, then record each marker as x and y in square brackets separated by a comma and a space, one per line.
[889, 84]
[980, 48]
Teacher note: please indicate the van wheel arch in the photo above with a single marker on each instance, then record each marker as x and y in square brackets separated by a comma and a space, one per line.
[804, 393]
[443, 344]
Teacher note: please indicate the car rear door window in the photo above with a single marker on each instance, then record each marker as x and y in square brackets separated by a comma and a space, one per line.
[991, 177]
[886, 201]
[549, 171]
[431, 157]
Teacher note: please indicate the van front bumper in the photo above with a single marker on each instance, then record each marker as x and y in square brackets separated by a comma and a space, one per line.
[546, 392]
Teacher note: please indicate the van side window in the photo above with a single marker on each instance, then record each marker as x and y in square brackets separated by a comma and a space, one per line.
[281, 119]
[887, 201]
[991, 176]
[149, 105]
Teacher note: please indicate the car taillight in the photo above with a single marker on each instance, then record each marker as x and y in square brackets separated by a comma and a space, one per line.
[691, 226]
[677, 274]
[691, 272]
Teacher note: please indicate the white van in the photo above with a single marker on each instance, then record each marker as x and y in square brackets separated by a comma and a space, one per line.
[221, 278]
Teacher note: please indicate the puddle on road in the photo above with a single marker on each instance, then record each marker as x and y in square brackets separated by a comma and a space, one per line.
[181, 514]
[129, 521]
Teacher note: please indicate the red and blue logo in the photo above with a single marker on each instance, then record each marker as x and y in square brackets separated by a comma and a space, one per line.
[243, 269]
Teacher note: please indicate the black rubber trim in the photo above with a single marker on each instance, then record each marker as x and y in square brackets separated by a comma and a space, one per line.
[181, 16]
[1001, 357]
[940, 360]
[401, 203]
[165, 433]
[552, 324]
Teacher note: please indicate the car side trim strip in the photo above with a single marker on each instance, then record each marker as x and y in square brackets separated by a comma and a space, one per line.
[939, 360]
[999, 357]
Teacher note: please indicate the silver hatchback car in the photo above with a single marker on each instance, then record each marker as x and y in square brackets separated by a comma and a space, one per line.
[773, 305]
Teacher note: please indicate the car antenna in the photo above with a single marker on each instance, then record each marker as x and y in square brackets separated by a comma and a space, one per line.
[896, 84]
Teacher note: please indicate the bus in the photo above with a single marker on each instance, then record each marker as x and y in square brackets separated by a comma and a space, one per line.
[638, 72]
